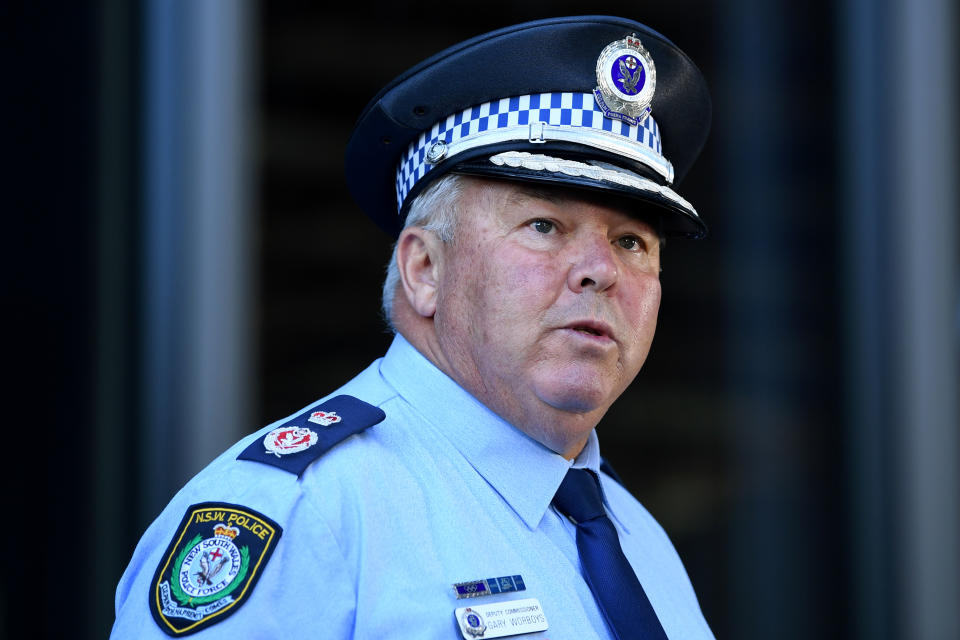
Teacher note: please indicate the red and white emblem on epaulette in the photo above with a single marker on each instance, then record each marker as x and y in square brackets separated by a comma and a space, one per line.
[290, 439]
[326, 418]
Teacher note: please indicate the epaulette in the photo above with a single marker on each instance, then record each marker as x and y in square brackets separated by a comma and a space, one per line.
[303, 439]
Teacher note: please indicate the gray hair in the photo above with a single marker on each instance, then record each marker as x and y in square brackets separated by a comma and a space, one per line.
[436, 209]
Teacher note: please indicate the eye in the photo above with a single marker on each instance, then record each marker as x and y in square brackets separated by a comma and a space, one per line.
[542, 226]
[630, 243]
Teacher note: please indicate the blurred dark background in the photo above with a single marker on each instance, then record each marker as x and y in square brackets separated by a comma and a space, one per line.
[184, 265]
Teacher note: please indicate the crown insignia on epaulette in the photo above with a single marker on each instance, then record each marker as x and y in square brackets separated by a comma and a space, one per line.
[325, 418]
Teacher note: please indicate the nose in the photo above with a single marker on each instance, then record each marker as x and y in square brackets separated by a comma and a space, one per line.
[594, 265]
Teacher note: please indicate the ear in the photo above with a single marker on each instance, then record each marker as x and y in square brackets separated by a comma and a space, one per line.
[419, 260]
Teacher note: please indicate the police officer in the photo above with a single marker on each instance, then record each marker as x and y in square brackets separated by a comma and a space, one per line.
[454, 488]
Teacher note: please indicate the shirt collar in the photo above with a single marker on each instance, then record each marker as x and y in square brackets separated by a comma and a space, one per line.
[525, 473]
[589, 458]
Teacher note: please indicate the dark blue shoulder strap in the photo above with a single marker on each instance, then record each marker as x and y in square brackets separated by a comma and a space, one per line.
[303, 439]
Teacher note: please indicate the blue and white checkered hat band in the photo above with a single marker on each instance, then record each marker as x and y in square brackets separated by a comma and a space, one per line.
[545, 117]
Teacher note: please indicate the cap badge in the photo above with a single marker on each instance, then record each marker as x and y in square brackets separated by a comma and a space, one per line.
[287, 440]
[626, 81]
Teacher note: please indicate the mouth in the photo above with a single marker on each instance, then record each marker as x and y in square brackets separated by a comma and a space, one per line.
[588, 330]
[592, 328]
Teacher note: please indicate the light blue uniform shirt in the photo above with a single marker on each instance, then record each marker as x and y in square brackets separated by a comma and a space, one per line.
[378, 529]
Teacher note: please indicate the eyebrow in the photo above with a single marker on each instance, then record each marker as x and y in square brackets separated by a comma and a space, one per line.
[523, 192]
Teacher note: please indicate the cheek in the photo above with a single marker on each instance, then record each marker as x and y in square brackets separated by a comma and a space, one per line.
[513, 281]
[471, 298]
[498, 294]
[642, 307]
[528, 283]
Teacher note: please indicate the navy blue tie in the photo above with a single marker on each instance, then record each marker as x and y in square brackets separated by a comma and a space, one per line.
[607, 571]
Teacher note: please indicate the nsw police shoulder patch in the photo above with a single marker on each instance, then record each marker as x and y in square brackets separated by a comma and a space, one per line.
[211, 566]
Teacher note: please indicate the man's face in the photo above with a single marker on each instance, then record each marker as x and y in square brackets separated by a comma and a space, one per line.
[547, 305]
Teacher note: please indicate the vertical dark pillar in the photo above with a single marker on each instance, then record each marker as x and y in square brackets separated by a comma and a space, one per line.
[774, 123]
[868, 268]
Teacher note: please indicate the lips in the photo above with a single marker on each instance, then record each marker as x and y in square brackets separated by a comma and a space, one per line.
[591, 328]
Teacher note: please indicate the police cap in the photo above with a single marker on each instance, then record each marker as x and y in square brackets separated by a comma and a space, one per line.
[593, 102]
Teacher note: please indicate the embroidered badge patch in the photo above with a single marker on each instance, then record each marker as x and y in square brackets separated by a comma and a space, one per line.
[211, 566]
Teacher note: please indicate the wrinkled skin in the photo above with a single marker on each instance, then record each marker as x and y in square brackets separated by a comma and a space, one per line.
[543, 307]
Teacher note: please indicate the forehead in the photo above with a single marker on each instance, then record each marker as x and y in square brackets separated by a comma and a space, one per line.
[509, 195]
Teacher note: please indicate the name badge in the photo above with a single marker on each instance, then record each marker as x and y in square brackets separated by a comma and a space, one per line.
[501, 619]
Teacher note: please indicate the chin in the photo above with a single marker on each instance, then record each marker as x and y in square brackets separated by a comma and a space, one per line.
[580, 395]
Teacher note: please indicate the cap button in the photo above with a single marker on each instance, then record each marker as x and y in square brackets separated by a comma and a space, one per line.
[436, 152]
